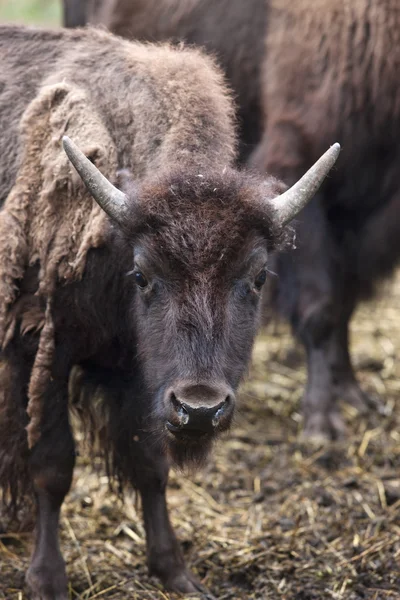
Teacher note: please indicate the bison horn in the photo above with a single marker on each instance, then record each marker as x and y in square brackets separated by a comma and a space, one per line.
[111, 200]
[290, 203]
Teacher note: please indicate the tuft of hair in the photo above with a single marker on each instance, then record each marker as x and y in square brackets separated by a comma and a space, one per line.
[16, 493]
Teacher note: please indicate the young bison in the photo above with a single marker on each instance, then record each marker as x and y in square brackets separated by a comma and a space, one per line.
[153, 290]
[306, 72]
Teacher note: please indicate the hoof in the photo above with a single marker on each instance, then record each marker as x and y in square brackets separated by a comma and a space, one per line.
[168, 565]
[47, 583]
[321, 428]
[186, 583]
[352, 394]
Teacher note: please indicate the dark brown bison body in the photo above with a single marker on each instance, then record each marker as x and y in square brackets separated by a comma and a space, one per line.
[337, 76]
[74, 13]
[328, 70]
[151, 292]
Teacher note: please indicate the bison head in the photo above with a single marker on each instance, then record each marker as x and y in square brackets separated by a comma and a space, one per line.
[199, 245]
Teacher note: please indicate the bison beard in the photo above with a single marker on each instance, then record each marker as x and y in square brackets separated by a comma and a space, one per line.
[139, 302]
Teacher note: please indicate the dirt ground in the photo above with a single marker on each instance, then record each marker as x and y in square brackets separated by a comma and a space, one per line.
[269, 517]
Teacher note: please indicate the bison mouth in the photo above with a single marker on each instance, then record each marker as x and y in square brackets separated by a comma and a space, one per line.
[187, 447]
[188, 436]
[192, 416]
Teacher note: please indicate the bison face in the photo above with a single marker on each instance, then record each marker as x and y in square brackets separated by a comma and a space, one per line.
[196, 311]
[199, 244]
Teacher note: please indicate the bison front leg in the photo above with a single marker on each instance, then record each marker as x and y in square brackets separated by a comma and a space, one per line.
[164, 555]
[140, 460]
[314, 294]
[322, 419]
[330, 372]
[51, 463]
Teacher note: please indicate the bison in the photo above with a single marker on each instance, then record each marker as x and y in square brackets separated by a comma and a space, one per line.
[140, 288]
[305, 72]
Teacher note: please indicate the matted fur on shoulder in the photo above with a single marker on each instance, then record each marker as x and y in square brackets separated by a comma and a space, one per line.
[47, 219]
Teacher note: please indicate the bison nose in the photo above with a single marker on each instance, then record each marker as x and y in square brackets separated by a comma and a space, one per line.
[200, 408]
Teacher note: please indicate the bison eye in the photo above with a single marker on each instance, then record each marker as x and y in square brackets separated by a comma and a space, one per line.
[260, 279]
[140, 279]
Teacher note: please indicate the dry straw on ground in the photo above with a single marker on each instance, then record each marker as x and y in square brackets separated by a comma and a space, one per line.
[269, 517]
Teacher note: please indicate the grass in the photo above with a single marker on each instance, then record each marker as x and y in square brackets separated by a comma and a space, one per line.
[31, 12]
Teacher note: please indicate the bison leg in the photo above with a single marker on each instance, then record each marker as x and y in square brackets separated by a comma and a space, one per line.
[51, 463]
[141, 460]
[314, 294]
[320, 408]
[15, 370]
[345, 384]
[325, 333]
[138, 458]
[164, 554]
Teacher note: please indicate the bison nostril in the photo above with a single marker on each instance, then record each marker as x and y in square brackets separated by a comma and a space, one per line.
[220, 412]
[181, 414]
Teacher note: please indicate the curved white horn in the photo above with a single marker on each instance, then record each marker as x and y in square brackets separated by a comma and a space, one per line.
[290, 203]
[111, 200]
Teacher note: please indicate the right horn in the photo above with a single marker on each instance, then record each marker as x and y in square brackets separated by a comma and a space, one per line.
[110, 198]
[290, 203]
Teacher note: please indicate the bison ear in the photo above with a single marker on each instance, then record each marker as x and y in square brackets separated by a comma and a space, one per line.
[112, 201]
[290, 203]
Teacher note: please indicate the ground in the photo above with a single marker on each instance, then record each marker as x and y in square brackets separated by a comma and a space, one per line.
[269, 517]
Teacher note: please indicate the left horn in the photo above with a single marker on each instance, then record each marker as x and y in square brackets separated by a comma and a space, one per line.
[111, 199]
[290, 203]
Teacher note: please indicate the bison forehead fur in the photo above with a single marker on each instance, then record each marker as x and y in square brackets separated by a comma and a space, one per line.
[201, 220]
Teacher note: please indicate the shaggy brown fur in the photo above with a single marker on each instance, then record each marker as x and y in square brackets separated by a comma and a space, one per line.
[39, 223]
[321, 70]
[347, 89]
[231, 30]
